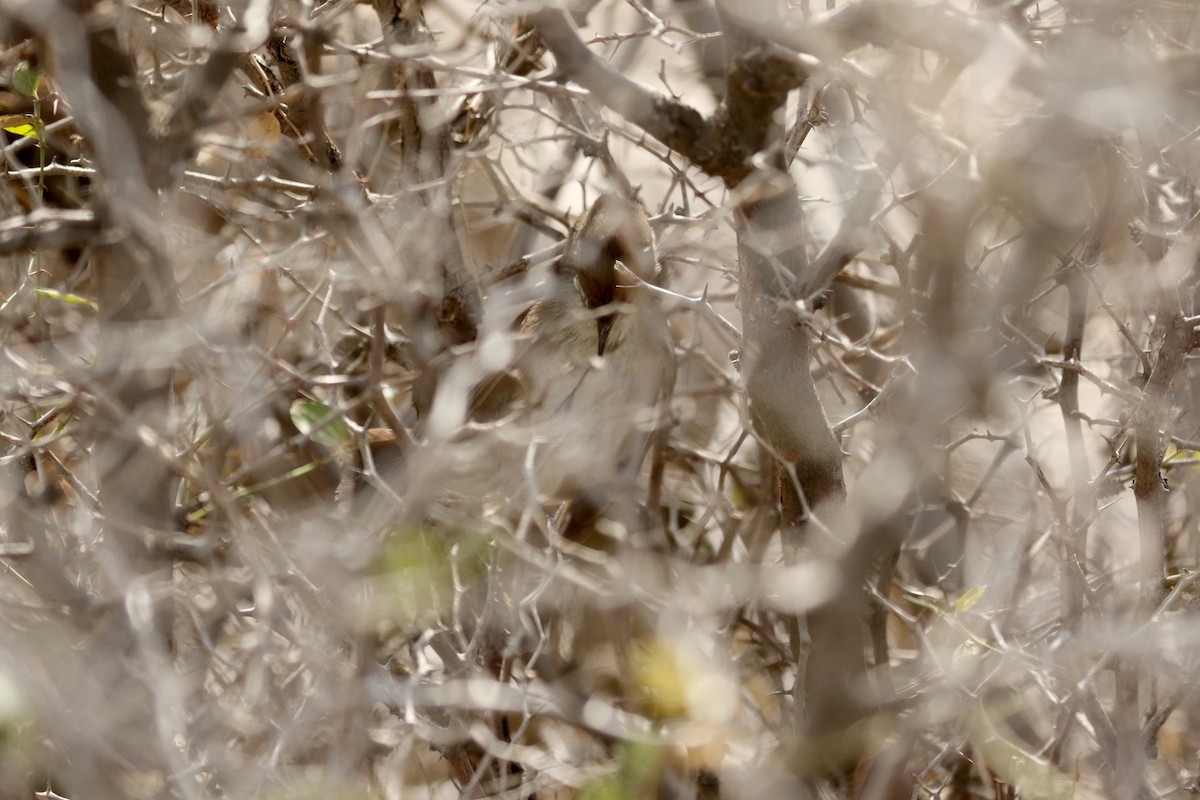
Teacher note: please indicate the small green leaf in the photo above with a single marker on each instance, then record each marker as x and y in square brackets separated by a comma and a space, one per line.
[67, 297]
[25, 79]
[313, 419]
[969, 598]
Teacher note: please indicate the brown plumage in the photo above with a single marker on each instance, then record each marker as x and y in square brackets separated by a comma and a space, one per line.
[589, 377]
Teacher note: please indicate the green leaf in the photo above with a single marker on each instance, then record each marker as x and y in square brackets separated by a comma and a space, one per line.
[315, 420]
[25, 79]
[67, 297]
[969, 598]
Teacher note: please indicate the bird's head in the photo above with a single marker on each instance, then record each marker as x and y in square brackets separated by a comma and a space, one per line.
[614, 229]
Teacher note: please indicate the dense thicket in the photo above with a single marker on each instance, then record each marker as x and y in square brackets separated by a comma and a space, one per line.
[922, 517]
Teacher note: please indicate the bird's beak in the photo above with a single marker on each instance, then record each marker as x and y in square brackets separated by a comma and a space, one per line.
[603, 328]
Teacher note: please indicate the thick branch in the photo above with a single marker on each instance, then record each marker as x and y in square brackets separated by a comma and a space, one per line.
[1148, 487]
[758, 85]
[722, 146]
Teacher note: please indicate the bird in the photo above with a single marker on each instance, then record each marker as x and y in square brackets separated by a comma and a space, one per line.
[562, 400]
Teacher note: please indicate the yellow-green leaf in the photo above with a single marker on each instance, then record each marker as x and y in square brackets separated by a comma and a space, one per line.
[67, 297]
[20, 124]
[656, 667]
[25, 79]
[969, 598]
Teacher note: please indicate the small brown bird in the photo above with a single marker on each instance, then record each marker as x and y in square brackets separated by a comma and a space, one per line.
[602, 354]
[591, 367]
